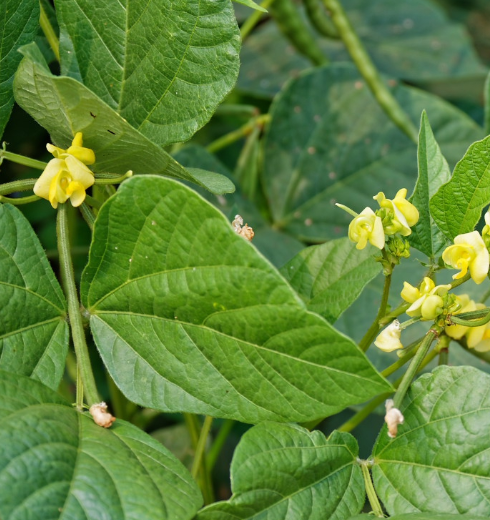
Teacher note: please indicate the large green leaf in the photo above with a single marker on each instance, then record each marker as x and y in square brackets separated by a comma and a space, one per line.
[330, 277]
[33, 327]
[433, 172]
[329, 141]
[64, 106]
[57, 463]
[189, 317]
[19, 20]
[421, 516]
[163, 65]
[408, 39]
[439, 460]
[458, 204]
[284, 472]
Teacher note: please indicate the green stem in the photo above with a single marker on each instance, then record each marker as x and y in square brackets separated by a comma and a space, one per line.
[468, 318]
[87, 215]
[201, 445]
[375, 326]
[386, 320]
[370, 492]
[411, 350]
[236, 110]
[13, 187]
[415, 364]
[111, 178]
[218, 443]
[94, 203]
[19, 201]
[369, 72]
[49, 33]
[22, 159]
[320, 19]
[76, 325]
[459, 281]
[237, 134]
[253, 20]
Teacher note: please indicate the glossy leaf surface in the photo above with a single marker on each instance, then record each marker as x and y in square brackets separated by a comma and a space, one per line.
[331, 276]
[189, 317]
[439, 460]
[64, 106]
[163, 65]
[33, 327]
[57, 463]
[285, 472]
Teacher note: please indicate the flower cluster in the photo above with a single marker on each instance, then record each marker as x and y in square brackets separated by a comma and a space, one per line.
[427, 300]
[66, 176]
[394, 216]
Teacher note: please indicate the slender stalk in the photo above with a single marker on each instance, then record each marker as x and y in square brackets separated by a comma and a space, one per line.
[467, 318]
[22, 159]
[253, 20]
[110, 178]
[87, 215]
[320, 19]
[412, 349]
[19, 201]
[201, 445]
[368, 71]
[76, 325]
[231, 109]
[237, 134]
[13, 187]
[415, 364]
[218, 443]
[375, 326]
[370, 492]
[386, 320]
[49, 32]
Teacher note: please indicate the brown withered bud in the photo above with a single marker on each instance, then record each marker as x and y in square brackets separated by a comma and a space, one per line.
[244, 230]
[101, 416]
[393, 418]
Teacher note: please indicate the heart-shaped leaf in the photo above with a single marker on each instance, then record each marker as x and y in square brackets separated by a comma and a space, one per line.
[284, 472]
[163, 65]
[33, 327]
[64, 106]
[57, 463]
[439, 463]
[189, 317]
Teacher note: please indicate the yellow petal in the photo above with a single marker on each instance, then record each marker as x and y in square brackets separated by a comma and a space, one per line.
[43, 184]
[410, 293]
[377, 236]
[79, 172]
[57, 152]
[77, 140]
[76, 192]
[85, 155]
[432, 307]
[389, 339]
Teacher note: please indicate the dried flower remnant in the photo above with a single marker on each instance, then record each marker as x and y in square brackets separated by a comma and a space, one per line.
[389, 339]
[101, 416]
[393, 418]
[244, 230]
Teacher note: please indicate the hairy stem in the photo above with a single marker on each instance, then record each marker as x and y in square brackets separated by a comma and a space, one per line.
[49, 33]
[370, 491]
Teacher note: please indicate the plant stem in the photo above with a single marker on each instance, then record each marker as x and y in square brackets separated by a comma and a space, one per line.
[22, 159]
[369, 72]
[218, 443]
[201, 445]
[468, 318]
[375, 326]
[370, 492]
[415, 364]
[76, 325]
[49, 33]
[320, 19]
[110, 178]
[237, 134]
[253, 20]
[87, 215]
[13, 187]
[18, 201]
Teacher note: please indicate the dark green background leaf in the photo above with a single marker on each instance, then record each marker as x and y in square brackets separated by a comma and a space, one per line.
[439, 460]
[57, 463]
[284, 472]
[64, 106]
[163, 65]
[421, 516]
[331, 276]
[189, 317]
[19, 21]
[33, 327]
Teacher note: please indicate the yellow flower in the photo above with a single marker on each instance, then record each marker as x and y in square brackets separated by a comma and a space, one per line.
[367, 226]
[468, 252]
[427, 301]
[389, 338]
[66, 176]
[476, 337]
[404, 213]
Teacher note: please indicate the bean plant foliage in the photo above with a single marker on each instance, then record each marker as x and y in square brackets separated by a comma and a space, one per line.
[232, 251]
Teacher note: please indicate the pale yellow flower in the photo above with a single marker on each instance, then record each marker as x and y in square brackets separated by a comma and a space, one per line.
[66, 176]
[367, 226]
[404, 213]
[389, 338]
[427, 301]
[468, 252]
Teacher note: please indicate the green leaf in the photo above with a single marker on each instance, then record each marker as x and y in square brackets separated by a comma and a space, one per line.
[33, 327]
[19, 21]
[284, 472]
[64, 106]
[458, 204]
[433, 172]
[329, 141]
[439, 460]
[409, 39]
[162, 65]
[57, 463]
[252, 4]
[187, 316]
[330, 277]
[421, 516]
